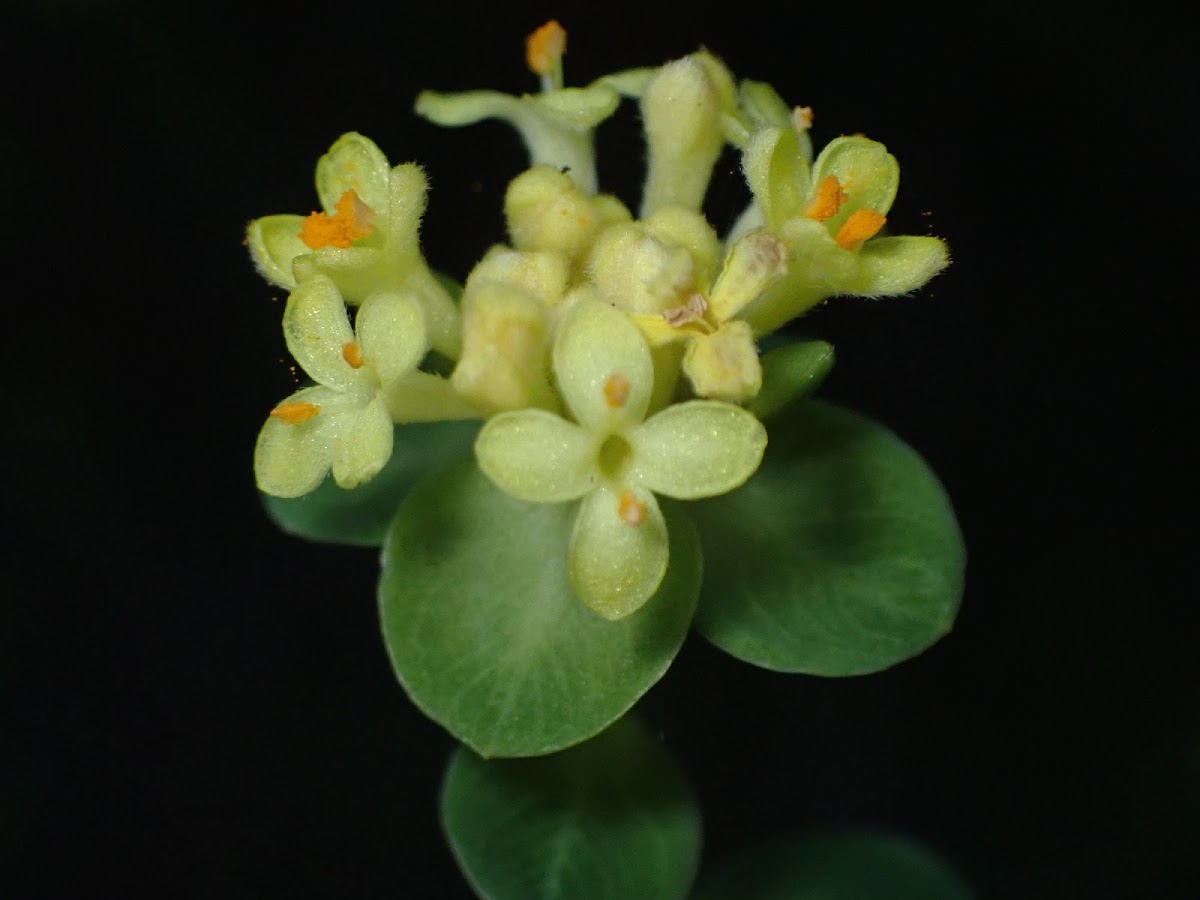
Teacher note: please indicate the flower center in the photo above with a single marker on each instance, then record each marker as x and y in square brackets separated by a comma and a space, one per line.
[616, 390]
[862, 225]
[613, 456]
[631, 510]
[828, 201]
[352, 354]
[294, 412]
[352, 220]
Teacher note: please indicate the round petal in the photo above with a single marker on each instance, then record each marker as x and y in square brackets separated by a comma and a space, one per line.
[316, 329]
[291, 460]
[696, 449]
[537, 456]
[724, 365]
[353, 163]
[867, 173]
[274, 241]
[619, 550]
[363, 444]
[391, 335]
[598, 347]
[776, 172]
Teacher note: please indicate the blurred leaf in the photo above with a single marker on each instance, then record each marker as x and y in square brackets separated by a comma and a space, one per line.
[609, 819]
[837, 867]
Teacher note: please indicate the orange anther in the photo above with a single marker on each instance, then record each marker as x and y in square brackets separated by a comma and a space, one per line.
[545, 47]
[294, 412]
[631, 510]
[352, 354]
[828, 201]
[352, 220]
[802, 118]
[616, 390]
[862, 225]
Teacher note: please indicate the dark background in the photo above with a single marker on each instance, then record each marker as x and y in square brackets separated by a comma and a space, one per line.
[195, 705]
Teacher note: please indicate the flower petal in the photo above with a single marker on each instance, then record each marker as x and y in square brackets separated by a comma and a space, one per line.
[897, 265]
[291, 460]
[866, 172]
[316, 329]
[363, 445]
[407, 193]
[537, 456]
[597, 346]
[696, 449]
[353, 163]
[724, 365]
[391, 334]
[777, 173]
[616, 566]
[274, 241]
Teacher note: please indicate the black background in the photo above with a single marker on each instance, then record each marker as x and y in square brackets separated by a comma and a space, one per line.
[195, 705]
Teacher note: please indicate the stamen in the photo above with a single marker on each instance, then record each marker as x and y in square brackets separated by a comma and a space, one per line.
[545, 47]
[352, 220]
[352, 354]
[691, 312]
[802, 118]
[828, 201]
[631, 510]
[294, 412]
[862, 225]
[616, 390]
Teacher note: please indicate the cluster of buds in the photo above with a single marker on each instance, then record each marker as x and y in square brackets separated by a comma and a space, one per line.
[612, 358]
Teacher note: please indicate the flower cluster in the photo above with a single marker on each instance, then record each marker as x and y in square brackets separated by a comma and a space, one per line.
[611, 357]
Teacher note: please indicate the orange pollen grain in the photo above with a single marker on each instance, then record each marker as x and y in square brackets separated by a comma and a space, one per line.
[352, 354]
[351, 220]
[294, 412]
[862, 225]
[828, 201]
[631, 510]
[616, 390]
[545, 47]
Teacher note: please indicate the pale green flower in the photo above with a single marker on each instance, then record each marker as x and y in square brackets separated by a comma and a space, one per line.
[556, 125]
[367, 378]
[365, 239]
[828, 216]
[614, 459]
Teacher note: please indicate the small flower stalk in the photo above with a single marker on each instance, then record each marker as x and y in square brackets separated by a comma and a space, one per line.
[612, 360]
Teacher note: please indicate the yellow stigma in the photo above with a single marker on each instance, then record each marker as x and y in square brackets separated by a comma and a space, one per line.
[862, 225]
[294, 412]
[631, 510]
[352, 220]
[616, 390]
[352, 354]
[828, 201]
[545, 47]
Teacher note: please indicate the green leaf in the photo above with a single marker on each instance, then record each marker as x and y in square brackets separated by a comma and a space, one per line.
[486, 635]
[837, 867]
[841, 556]
[610, 819]
[360, 517]
[790, 372]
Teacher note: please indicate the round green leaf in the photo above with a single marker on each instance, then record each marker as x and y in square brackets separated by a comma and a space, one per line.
[360, 517]
[488, 638]
[610, 819]
[840, 556]
[837, 867]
